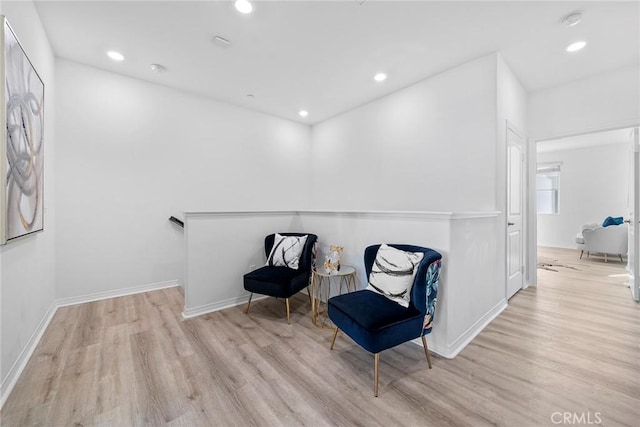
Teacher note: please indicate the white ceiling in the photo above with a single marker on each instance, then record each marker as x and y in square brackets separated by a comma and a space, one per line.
[321, 55]
[620, 136]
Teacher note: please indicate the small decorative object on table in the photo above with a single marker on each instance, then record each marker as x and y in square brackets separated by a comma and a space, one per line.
[332, 260]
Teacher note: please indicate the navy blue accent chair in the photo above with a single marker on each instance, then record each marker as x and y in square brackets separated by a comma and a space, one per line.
[376, 323]
[281, 282]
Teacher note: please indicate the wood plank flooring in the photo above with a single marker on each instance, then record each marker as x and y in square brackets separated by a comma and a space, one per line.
[571, 345]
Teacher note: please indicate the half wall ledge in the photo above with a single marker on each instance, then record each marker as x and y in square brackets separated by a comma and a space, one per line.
[221, 245]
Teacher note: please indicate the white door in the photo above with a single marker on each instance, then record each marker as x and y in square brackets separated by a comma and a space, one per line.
[634, 210]
[515, 241]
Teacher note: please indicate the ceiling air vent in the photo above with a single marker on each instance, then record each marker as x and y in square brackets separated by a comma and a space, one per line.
[221, 42]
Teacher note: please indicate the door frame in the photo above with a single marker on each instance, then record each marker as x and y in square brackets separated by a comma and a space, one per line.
[532, 205]
[634, 205]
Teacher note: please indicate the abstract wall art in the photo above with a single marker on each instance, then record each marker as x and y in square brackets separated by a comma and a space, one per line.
[21, 142]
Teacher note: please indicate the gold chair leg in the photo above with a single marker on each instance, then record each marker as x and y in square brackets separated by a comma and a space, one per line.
[333, 341]
[376, 368]
[286, 300]
[426, 351]
[248, 304]
[620, 255]
[581, 253]
[309, 293]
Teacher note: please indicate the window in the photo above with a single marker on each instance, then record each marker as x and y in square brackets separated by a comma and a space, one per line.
[548, 176]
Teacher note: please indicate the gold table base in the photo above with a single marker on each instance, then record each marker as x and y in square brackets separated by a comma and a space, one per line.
[321, 287]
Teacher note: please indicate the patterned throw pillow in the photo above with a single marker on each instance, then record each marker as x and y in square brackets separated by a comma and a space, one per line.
[393, 272]
[286, 251]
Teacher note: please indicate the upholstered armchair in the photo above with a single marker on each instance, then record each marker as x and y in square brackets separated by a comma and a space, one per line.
[376, 322]
[605, 240]
[281, 277]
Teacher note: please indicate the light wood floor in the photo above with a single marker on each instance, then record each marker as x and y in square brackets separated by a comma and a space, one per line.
[572, 345]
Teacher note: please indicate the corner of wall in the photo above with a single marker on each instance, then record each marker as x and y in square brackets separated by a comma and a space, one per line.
[27, 274]
[13, 374]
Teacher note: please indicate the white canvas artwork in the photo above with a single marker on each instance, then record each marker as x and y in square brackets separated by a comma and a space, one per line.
[23, 149]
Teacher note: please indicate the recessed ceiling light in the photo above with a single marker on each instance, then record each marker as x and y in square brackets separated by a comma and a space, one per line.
[572, 19]
[380, 77]
[574, 47]
[116, 56]
[243, 6]
[303, 113]
[250, 96]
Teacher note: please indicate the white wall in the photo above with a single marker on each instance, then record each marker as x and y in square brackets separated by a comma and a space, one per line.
[27, 269]
[219, 250]
[600, 102]
[512, 102]
[430, 146]
[594, 184]
[132, 153]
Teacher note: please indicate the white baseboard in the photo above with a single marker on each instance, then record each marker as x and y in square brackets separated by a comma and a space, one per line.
[219, 305]
[63, 302]
[14, 373]
[452, 350]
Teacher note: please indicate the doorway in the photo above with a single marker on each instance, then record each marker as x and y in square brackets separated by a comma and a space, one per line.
[579, 181]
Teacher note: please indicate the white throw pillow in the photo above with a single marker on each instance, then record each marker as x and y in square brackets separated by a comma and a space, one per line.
[393, 272]
[286, 251]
